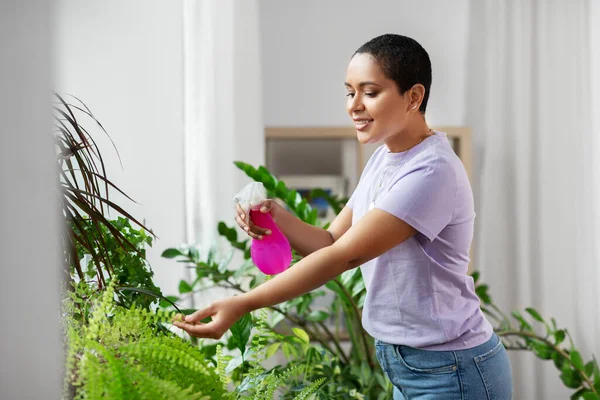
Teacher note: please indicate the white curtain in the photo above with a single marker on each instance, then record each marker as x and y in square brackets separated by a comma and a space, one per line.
[222, 110]
[535, 156]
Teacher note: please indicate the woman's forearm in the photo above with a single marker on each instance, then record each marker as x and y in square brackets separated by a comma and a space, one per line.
[308, 274]
[303, 237]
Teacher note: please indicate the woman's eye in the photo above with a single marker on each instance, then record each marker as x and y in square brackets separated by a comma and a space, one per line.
[351, 95]
[370, 94]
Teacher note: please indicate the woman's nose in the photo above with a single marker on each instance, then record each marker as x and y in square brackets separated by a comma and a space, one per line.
[355, 104]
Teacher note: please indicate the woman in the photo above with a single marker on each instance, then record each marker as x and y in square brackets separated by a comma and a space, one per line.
[409, 226]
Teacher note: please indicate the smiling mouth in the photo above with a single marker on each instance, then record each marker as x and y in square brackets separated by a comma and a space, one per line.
[362, 124]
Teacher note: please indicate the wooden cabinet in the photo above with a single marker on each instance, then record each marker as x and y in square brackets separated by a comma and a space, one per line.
[335, 151]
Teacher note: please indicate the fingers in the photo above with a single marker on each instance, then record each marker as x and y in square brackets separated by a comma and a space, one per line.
[200, 314]
[209, 330]
[252, 230]
[266, 206]
[204, 331]
[193, 327]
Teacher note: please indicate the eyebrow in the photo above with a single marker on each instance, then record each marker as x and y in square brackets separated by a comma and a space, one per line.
[362, 84]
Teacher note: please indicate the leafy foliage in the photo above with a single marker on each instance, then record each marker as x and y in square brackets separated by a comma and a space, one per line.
[84, 191]
[129, 266]
[354, 374]
[124, 353]
[520, 333]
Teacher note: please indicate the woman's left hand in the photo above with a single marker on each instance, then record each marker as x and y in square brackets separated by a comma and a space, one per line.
[224, 314]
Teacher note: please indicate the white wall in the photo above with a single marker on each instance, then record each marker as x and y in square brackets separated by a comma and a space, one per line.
[307, 45]
[594, 27]
[30, 266]
[124, 60]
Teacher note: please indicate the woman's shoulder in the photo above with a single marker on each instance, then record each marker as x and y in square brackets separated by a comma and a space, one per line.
[437, 153]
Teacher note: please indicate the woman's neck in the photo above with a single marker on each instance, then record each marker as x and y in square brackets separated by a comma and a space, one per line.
[412, 135]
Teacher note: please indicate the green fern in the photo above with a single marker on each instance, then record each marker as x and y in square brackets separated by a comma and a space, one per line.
[120, 354]
[275, 381]
[221, 364]
[310, 389]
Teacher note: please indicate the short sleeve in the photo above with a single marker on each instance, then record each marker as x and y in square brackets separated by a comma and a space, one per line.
[350, 202]
[423, 197]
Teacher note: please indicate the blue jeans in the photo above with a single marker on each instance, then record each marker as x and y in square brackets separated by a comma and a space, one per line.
[480, 373]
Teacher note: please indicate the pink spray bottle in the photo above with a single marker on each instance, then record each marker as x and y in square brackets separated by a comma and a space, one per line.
[273, 254]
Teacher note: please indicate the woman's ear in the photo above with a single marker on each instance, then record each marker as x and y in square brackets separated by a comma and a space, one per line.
[416, 95]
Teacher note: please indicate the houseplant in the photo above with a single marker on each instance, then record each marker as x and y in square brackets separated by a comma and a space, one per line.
[117, 344]
[359, 373]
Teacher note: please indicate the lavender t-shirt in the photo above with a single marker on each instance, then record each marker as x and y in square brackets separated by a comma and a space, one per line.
[419, 293]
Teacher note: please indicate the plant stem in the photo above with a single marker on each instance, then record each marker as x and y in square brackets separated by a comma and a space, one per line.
[361, 330]
[556, 348]
[335, 342]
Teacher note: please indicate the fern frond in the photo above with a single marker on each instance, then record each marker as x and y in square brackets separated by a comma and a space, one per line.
[175, 360]
[310, 389]
[98, 320]
[277, 380]
[221, 365]
[150, 387]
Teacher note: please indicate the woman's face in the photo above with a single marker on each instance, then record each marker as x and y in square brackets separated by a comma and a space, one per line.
[374, 102]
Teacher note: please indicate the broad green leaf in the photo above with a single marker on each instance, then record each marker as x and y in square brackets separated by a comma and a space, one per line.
[475, 276]
[332, 285]
[577, 360]
[291, 198]
[347, 276]
[233, 364]
[164, 303]
[578, 394]
[317, 316]
[281, 190]
[301, 334]
[590, 396]
[559, 336]
[481, 292]
[171, 253]
[272, 349]
[571, 379]
[534, 314]
[589, 369]
[247, 168]
[184, 287]
[287, 349]
[365, 372]
[267, 178]
[313, 216]
[358, 288]
[222, 228]
[301, 210]
[305, 302]
[240, 332]
[542, 350]
[519, 317]
[275, 319]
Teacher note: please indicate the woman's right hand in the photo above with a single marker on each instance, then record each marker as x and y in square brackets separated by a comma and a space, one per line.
[245, 222]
